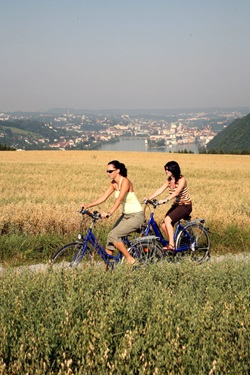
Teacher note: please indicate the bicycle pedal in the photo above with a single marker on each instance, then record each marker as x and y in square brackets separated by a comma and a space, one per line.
[168, 253]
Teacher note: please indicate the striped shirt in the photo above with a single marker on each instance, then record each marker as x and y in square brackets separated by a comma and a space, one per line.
[183, 197]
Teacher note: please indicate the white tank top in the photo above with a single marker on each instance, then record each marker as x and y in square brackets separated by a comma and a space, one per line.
[130, 202]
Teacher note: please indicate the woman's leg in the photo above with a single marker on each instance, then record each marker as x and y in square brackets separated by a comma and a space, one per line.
[122, 248]
[110, 252]
[167, 226]
[174, 214]
[169, 230]
[125, 225]
[164, 229]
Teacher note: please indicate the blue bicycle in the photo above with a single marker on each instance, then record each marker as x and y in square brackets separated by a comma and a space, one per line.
[191, 236]
[144, 249]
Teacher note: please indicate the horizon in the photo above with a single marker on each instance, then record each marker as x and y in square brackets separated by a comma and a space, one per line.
[157, 111]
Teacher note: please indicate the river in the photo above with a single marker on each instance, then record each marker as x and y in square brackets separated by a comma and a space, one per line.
[139, 145]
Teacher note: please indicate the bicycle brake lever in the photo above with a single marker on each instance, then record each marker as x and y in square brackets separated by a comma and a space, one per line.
[155, 202]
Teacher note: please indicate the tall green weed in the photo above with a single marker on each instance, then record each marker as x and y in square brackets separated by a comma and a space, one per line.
[164, 319]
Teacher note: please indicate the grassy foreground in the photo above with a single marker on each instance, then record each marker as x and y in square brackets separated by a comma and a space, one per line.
[165, 319]
[41, 192]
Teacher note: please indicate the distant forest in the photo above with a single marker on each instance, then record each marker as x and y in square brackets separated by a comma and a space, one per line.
[234, 139]
[6, 148]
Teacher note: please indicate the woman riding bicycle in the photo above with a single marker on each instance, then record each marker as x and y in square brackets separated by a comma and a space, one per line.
[132, 216]
[182, 205]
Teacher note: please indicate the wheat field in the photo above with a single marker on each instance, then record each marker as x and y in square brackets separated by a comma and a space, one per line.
[168, 318]
[41, 191]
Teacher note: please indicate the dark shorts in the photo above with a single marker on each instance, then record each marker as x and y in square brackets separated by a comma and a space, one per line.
[177, 212]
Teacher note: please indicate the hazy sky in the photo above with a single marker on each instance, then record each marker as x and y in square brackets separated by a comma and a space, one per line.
[124, 54]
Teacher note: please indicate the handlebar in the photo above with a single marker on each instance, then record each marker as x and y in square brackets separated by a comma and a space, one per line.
[97, 216]
[94, 215]
[153, 202]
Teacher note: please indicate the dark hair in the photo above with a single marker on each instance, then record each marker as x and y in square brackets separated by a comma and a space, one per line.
[121, 166]
[174, 168]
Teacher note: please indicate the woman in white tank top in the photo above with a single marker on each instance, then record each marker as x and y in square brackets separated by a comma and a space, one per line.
[132, 213]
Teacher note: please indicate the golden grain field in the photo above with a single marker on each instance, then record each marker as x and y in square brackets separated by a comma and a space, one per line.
[41, 191]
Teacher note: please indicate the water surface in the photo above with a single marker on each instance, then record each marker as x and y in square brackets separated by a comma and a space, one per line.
[139, 145]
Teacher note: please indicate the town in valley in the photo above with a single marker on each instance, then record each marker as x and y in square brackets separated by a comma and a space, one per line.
[90, 130]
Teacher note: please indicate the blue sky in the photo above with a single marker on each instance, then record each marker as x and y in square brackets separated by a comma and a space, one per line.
[124, 54]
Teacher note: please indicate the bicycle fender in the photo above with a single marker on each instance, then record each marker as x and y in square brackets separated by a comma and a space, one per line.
[145, 239]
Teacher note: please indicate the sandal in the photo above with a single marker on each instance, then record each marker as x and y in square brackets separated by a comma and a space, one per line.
[169, 247]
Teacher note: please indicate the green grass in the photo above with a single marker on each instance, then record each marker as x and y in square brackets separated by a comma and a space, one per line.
[165, 319]
[22, 132]
[19, 248]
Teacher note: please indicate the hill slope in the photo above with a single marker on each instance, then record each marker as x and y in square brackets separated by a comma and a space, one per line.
[26, 134]
[233, 139]
[32, 127]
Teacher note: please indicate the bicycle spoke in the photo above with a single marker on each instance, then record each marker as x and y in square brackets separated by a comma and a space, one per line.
[70, 255]
[146, 252]
[194, 241]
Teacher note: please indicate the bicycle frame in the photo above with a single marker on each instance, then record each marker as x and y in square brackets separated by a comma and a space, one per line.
[151, 224]
[91, 238]
[144, 248]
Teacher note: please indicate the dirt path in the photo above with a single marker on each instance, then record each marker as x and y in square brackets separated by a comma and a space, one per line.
[43, 266]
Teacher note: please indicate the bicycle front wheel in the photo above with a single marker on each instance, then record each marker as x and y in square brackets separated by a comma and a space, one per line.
[194, 240]
[70, 255]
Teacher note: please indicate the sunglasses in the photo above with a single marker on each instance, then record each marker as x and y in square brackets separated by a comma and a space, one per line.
[111, 170]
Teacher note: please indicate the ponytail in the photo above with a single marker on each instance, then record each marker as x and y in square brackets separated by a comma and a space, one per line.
[121, 166]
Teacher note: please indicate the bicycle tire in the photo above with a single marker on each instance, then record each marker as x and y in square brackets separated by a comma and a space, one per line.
[195, 238]
[70, 255]
[145, 252]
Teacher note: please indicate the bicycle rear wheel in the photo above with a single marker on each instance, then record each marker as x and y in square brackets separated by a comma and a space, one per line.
[70, 255]
[194, 241]
[146, 251]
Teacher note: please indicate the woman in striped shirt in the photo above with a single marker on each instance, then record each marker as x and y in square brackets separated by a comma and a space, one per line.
[182, 204]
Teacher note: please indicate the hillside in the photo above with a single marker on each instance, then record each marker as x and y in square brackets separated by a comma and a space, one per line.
[28, 134]
[34, 127]
[235, 138]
